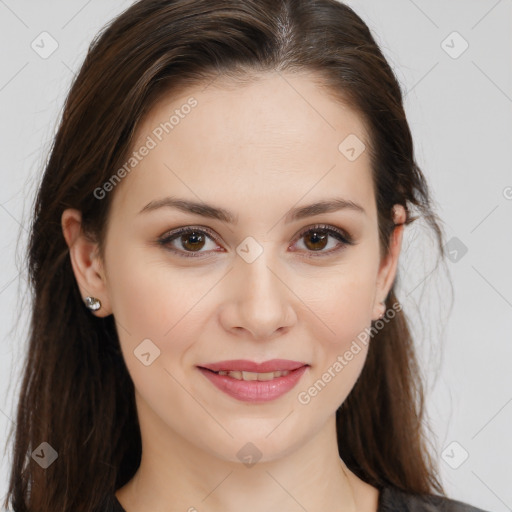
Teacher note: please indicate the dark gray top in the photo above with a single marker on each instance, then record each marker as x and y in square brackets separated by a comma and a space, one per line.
[393, 500]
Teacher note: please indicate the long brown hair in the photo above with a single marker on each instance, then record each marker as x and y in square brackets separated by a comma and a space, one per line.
[76, 393]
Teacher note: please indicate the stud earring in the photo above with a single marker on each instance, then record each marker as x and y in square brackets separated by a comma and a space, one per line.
[92, 303]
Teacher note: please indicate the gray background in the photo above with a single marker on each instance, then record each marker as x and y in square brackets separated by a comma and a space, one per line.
[458, 105]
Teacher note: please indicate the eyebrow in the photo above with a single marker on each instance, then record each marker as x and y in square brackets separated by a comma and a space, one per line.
[214, 212]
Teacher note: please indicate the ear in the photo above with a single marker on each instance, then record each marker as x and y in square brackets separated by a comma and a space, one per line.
[389, 264]
[87, 266]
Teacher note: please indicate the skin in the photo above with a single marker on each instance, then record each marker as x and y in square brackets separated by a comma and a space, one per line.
[257, 150]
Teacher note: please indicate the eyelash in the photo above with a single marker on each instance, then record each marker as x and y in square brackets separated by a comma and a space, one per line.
[340, 235]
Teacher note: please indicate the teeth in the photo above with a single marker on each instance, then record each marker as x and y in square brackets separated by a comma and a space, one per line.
[253, 375]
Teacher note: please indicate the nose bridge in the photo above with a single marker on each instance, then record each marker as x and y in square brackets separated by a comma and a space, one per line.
[261, 279]
[262, 302]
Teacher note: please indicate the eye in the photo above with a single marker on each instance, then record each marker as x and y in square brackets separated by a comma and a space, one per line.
[189, 241]
[316, 238]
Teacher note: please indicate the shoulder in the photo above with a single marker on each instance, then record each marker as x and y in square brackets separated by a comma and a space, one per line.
[392, 499]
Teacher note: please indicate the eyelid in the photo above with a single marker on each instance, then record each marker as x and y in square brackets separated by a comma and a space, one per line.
[344, 238]
[165, 239]
[329, 228]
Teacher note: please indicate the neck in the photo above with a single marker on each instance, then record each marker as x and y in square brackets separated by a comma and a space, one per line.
[176, 475]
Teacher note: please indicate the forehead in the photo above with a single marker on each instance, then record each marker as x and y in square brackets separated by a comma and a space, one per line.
[281, 133]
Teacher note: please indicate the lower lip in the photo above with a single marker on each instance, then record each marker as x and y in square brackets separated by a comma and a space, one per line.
[255, 390]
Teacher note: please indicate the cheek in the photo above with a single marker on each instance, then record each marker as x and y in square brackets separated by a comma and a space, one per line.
[138, 303]
[146, 302]
[343, 301]
[151, 300]
[347, 312]
[340, 351]
[343, 305]
[148, 295]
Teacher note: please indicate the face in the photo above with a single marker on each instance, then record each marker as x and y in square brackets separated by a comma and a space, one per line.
[254, 276]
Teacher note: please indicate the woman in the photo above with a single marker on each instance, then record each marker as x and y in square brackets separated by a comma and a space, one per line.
[214, 253]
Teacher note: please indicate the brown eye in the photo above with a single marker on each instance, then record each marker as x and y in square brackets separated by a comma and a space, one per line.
[192, 241]
[188, 242]
[315, 240]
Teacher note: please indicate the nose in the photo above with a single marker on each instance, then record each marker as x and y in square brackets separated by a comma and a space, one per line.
[259, 304]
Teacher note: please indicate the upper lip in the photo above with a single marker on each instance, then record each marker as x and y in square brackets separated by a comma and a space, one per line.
[273, 365]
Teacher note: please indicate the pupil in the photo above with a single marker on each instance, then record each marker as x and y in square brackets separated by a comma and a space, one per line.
[316, 238]
[197, 240]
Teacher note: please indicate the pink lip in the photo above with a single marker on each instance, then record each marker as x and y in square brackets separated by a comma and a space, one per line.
[274, 365]
[255, 391]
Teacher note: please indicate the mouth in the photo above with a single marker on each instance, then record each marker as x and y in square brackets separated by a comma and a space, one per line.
[241, 379]
[245, 365]
[250, 376]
